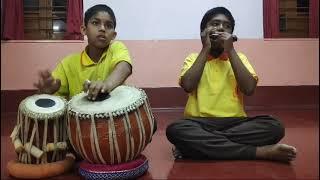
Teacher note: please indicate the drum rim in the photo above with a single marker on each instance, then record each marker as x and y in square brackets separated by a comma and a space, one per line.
[114, 174]
[125, 174]
[84, 165]
[37, 115]
[126, 109]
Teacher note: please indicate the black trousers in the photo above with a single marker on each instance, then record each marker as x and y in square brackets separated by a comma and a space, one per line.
[224, 138]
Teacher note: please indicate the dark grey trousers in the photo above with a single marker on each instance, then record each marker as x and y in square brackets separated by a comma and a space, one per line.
[224, 138]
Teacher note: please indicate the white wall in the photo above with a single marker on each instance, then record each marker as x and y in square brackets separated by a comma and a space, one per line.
[179, 19]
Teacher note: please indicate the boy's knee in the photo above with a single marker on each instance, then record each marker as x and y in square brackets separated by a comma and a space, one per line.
[173, 130]
[277, 130]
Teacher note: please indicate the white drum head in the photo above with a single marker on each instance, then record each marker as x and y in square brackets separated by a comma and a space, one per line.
[123, 98]
[43, 106]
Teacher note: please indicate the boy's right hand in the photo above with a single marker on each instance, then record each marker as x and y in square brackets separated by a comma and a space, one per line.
[205, 37]
[47, 84]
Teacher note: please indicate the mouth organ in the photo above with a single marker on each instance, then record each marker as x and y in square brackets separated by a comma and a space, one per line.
[215, 36]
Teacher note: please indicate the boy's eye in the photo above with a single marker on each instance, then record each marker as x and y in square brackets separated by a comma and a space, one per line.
[215, 24]
[94, 22]
[225, 25]
[110, 26]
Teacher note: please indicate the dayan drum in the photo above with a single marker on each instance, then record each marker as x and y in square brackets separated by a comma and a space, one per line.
[112, 131]
[40, 136]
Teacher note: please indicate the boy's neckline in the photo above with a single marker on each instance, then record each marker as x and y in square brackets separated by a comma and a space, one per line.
[95, 54]
[223, 57]
[86, 60]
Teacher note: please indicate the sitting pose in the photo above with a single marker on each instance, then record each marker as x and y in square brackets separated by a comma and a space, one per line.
[215, 125]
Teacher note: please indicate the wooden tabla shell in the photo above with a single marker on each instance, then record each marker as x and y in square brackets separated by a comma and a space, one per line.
[40, 134]
[111, 131]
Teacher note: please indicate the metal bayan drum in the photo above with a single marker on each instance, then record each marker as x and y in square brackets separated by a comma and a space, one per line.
[40, 134]
[40, 138]
[112, 131]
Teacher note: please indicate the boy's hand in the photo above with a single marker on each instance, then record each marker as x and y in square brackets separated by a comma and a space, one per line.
[47, 84]
[94, 88]
[227, 40]
[205, 37]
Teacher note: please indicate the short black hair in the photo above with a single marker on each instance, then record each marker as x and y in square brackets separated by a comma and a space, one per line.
[99, 8]
[213, 12]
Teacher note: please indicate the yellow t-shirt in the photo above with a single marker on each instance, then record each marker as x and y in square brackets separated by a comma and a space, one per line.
[217, 94]
[74, 69]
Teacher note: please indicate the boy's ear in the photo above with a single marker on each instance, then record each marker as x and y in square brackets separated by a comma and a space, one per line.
[83, 30]
[114, 35]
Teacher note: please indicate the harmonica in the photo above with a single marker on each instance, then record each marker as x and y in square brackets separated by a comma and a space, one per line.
[215, 36]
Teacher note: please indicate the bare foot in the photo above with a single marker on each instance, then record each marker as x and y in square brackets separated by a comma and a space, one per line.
[277, 152]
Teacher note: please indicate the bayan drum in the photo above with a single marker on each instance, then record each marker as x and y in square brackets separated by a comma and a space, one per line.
[40, 138]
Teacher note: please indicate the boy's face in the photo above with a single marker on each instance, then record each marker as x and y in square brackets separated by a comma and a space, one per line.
[100, 30]
[219, 23]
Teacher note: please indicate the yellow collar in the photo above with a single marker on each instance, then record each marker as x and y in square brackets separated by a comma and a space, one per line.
[87, 61]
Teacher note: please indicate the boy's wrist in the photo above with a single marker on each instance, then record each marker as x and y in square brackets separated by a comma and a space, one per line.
[230, 51]
[106, 86]
[206, 50]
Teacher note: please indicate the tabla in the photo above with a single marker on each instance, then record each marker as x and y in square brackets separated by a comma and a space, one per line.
[112, 131]
[40, 135]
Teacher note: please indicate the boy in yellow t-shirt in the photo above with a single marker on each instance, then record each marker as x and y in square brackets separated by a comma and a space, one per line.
[102, 66]
[215, 125]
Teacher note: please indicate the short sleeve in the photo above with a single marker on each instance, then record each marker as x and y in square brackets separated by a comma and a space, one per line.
[119, 53]
[246, 63]
[188, 62]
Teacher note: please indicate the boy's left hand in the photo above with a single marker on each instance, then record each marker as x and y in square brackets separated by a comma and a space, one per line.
[227, 40]
[94, 88]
